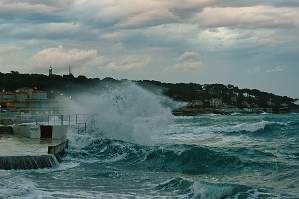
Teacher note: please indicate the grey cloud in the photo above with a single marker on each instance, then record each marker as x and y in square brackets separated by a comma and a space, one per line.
[7, 54]
[246, 3]
[61, 57]
[276, 69]
[188, 62]
[192, 39]
[20, 12]
[129, 63]
[189, 56]
[136, 14]
[249, 17]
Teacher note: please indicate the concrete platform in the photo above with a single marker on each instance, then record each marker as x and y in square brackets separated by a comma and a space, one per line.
[26, 153]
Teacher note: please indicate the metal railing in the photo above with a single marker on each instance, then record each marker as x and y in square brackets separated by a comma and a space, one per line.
[81, 122]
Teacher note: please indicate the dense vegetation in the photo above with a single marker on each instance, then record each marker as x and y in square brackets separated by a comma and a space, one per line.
[198, 96]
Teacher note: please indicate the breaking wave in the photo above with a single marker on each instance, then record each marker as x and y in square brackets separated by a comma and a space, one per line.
[125, 112]
[17, 187]
[252, 127]
[236, 128]
[186, 188]
[170, 158]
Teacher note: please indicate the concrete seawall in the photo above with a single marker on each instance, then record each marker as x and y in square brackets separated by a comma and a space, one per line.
[31, 146]
[37, 141]
[4, 130]
[27, 162]
[44, 157]
[58, 150]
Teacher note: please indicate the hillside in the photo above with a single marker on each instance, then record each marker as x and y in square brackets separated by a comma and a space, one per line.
[207, 98]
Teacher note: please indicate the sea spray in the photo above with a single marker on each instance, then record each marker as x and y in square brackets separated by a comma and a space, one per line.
[14, 186]
[259, 162]
[125, 112]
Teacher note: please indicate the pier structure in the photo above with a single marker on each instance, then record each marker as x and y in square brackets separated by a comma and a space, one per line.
[38, 141]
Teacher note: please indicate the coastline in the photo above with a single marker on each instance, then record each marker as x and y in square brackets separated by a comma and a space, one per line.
[191, 111]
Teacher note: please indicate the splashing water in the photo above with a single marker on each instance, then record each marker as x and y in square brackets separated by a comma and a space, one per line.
[126, 112]
[130, 156]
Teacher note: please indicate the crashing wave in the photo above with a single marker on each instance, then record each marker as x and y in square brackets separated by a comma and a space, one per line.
[185, 188]
[242, 127]
[250, 127]
[179, 158]
[126, 112]
[17, 187]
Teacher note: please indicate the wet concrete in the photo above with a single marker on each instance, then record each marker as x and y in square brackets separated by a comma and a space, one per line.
[26, 153]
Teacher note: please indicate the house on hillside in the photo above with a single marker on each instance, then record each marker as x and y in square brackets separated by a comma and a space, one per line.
[28, 100]
[215, 102]
[196, 103]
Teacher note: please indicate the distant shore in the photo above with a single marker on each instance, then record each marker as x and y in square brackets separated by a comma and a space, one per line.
[188, 111]
[199, 98]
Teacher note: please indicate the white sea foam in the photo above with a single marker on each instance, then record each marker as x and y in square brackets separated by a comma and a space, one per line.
[226, 128]
[210, 191]
[249, 127]
[217, 191]
[126, 112]
[12, 186]
[234, 114]
[214, 135]
[61, 167]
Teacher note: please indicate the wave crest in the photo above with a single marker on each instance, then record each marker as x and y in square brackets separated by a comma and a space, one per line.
[180, 158]
[186, 188]
[251, 127]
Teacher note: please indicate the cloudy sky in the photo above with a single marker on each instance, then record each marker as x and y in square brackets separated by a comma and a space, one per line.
[248, 43]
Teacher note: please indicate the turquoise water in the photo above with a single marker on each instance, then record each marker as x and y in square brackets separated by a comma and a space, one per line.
[209, 156]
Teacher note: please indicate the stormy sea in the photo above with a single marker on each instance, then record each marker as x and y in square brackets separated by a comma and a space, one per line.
[139, 150]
